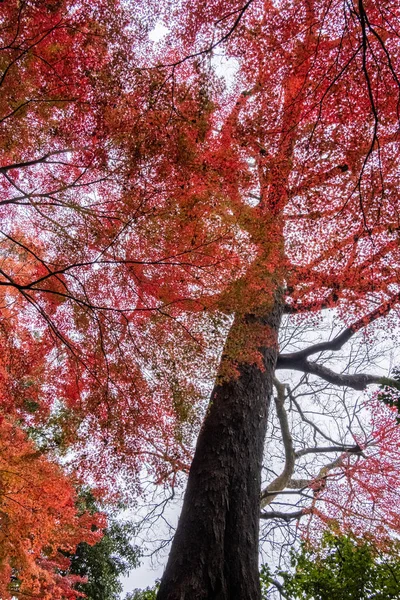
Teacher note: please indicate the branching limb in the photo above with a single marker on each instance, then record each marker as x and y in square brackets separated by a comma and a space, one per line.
[279, 483]
[340, 340]
[330, 345]
[280, 588]
[36, 161]
[305, 419]
[357, 381]
[325, 449]
[298, 484]
[275, 514]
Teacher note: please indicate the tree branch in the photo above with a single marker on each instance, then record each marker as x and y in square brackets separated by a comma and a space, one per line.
[280, 588]
[36, 161]
[340, 340]
[325, 449]
[317, 430]
[356, 381]
[274, 514]
[279, 483]
[333, 345]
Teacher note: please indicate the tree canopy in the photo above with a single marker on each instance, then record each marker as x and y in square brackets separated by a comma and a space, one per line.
[342, 567]
[100, 565]
[163, 226]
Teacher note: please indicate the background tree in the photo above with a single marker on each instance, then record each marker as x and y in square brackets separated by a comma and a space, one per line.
[147, 594]
[341, 567]
[39, 521]
[100, 565]
[103, 563]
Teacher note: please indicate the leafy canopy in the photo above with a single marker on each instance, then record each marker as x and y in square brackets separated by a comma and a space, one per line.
[145, 202]
[104, 562]
[344, 568]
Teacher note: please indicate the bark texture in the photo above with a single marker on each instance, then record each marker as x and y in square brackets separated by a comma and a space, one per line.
[214, 555]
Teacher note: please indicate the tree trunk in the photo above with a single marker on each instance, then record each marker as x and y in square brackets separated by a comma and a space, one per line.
[214, 554]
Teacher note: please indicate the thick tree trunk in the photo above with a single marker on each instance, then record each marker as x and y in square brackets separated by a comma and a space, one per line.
[214, 554]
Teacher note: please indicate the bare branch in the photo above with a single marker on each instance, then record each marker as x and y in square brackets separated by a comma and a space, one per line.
[326, 449]
[280, 588]
[356, 381]
[340, 340]
[279, 483]
[36, 161]
[275, 514]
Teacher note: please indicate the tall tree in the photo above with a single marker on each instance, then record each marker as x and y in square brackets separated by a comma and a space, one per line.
[150, 209]
[313, 117]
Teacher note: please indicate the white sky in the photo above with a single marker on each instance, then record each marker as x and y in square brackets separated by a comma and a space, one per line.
[158, 32]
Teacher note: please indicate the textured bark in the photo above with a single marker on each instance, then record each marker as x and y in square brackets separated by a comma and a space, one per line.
[214, 555]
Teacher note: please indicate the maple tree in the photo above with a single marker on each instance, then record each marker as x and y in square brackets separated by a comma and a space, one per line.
[308, 133]
[39, 521]
[47, 57]
[150, 210]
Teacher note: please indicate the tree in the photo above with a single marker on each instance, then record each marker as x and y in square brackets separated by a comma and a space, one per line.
[67, 257]
[39, 521]
[343, 567]
[185, 212]
[103, 563]
[147, 594]
[310, 120]
[49, 52]
[99, 566]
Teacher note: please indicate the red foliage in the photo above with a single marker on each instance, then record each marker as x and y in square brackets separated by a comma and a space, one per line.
[362, 493]
[136, 200]
[38, 521]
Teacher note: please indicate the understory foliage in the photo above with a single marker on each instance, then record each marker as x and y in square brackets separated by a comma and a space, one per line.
[341, 567]
[101, 565]
[147, 594]
[154, 213]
